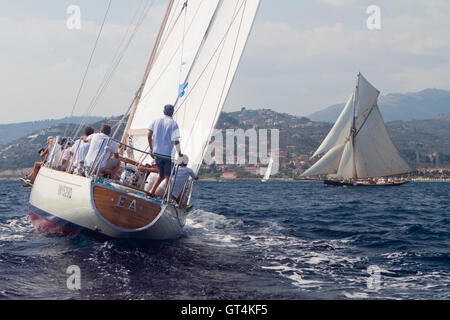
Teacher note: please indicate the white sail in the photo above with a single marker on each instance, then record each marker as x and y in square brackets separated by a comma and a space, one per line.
[346, 167]
[328, 164]
[269, 170]
[358, 145]
[340, 131]
[196, 60]
[375, 153]
[366, 98]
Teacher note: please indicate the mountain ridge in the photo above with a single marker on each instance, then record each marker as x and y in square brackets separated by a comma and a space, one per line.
[12, 131]
[422, 105]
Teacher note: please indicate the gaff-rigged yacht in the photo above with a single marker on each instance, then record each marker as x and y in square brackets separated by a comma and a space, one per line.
[358, 151]
[192, 66]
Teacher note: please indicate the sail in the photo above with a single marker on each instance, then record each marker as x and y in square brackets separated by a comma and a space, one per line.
[328, 164]
[358, 145]
[366, 98]
[269, 170]
[375, 153]
[194, 67]
[346, 167]
[340, 131]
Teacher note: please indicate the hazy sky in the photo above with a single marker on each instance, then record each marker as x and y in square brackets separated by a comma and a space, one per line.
[302, 56]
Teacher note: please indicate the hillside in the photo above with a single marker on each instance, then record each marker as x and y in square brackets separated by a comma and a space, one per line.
[426, 104]
[422, 143]
[13, 131]
[23, 152]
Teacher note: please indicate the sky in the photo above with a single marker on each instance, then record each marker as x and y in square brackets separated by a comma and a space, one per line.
[301, 57]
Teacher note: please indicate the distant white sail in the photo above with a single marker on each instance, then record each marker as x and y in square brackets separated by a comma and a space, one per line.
[358, 145]
[268, 171]
[340, 131]
[195, 64]
[375, 153]
[328, 164]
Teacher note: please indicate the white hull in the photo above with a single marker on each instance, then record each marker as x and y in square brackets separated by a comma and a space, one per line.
[66, 200]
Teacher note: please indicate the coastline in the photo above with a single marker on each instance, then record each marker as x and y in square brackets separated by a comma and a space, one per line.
[17, 174]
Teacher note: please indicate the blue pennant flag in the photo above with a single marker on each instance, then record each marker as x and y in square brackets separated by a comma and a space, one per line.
[182, 89]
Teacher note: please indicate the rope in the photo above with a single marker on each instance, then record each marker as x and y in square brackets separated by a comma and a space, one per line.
[173, 56]
[120, 53]
[209, 62]
[89, 64]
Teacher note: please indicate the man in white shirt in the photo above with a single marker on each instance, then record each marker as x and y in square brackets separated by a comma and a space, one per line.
[66, 156]
[55, 161]
[79, 151]
[163, 136]
[97, 144]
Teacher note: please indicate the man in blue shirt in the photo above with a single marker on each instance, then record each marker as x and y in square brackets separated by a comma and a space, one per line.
[163, 136]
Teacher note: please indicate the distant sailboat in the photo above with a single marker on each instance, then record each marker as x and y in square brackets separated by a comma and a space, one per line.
[358, 150]
[268, 171]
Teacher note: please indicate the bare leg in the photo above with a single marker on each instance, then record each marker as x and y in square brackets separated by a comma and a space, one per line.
[35, 172]
[156, 184]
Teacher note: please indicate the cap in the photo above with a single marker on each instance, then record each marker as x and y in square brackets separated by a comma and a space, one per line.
[184, 159]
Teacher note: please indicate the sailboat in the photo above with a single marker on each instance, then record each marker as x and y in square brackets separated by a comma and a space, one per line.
[192, 66]
[358, 150]
[268, 171]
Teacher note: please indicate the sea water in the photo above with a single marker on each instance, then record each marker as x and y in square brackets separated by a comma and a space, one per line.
[247, 240]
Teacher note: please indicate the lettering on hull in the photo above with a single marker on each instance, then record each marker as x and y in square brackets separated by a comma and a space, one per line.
[65, 191]
[124, 211]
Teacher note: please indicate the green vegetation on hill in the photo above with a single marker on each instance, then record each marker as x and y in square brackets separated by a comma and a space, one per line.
[23, 152]
[422, 143]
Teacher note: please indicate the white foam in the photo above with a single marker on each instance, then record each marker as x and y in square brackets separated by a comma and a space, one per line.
[356, 295]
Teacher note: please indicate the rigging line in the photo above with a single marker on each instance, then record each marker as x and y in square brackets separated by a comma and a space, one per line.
[89, 63]
[170, 29]
[226, 79]
[169, 23]
[172, 57]
[182, 41]
[210, 60]
[182, 54]
[108, 76]
[199, 50]
[207, 89]
[119, 48]
[149, 66]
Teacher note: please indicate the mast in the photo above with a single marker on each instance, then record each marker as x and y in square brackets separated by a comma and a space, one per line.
[146, 73]
[353, 136]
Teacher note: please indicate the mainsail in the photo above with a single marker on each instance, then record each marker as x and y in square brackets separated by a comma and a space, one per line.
[194, 63]
[358, 145]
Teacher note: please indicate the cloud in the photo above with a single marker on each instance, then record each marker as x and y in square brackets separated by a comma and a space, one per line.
[43, 62]
[293, 65]
[304, 69]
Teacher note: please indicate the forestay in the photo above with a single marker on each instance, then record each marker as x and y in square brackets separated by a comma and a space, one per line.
[194, 65]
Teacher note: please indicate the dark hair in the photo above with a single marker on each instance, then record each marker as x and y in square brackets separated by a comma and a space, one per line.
[106, 129]
[63, 141]
[169, 110]
[41, 150]
[88, 131]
